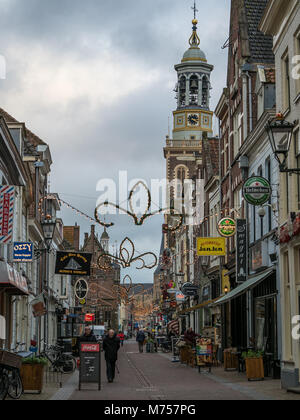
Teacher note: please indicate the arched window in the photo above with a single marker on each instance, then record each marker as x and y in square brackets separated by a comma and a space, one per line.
[205, 91]
[181, 173]
[182, 91]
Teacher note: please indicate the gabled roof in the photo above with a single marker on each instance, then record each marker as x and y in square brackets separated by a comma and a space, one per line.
[261, 46]
[31, 137]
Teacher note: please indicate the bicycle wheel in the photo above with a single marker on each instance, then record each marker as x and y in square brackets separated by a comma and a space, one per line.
[3, 385]
[15, 388]
[68, 364]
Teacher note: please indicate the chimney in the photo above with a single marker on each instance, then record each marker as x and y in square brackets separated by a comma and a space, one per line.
[93, 229]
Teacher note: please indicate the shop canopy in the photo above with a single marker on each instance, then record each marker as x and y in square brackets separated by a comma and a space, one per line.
[12, 281]
[242, 288]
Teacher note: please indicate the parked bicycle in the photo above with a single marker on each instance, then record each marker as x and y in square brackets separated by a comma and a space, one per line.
[60, 362]
[10, 378]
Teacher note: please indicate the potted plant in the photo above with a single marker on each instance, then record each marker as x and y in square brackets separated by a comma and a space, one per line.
[150, 345]
[254, 365]
[32, 373]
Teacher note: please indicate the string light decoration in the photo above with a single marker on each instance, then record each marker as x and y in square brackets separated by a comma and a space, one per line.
[126, 257]
[139, 221]
[62, 202]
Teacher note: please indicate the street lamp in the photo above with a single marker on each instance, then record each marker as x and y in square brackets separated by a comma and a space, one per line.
[280, 134]
[48, 227]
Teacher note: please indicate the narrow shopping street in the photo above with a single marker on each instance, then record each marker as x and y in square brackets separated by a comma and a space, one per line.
[154, 377]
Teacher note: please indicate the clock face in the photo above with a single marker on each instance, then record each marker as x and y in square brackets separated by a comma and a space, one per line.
[193, 120]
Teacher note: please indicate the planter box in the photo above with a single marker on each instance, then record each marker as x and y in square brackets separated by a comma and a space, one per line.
[32, 377]
[255, 369]
[231, 361]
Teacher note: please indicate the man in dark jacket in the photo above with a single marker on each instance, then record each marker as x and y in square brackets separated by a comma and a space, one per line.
[87, 337]
[111, 346]
[140, 338]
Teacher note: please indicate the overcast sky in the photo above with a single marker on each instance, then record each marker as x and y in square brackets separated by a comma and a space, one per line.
[95, 81]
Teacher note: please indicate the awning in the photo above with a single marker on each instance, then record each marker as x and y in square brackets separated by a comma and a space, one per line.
[12, 280]
[242, 288]
[201, 305]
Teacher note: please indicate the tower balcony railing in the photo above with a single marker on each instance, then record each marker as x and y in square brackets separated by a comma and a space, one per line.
[183, 143]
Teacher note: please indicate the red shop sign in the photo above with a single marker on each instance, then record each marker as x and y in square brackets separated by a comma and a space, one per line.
[89, 317]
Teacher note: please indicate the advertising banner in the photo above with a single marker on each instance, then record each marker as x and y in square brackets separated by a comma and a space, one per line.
[7, 201]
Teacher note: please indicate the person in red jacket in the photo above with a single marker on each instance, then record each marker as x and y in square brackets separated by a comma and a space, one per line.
[121, 337]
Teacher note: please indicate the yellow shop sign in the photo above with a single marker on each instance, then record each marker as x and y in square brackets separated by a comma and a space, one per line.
[211, 247]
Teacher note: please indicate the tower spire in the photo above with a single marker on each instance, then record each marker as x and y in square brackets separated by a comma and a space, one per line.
[194, 40]
[195, 10]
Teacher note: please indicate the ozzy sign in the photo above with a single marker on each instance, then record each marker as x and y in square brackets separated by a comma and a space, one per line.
[23, 252]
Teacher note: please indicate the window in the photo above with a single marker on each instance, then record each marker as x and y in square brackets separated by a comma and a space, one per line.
[297, 150]
[296, 63]
[286, 82]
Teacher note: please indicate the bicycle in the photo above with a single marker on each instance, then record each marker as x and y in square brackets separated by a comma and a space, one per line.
[10, 378]
[59, 361]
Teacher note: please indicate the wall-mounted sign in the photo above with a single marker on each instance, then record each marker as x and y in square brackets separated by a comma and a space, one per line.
[241, 251]
[7, 200]
[23, 252]
[81, 289]
[227, 227]
[73, 263]
[257, 191]
[211, 247]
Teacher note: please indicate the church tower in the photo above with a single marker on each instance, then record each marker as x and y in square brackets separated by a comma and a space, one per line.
[192, 118]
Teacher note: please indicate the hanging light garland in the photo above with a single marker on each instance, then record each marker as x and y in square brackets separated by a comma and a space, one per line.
[62, 202]
[126, 257]
[139, 221]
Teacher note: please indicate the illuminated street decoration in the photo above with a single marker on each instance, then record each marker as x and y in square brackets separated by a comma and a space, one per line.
[126, 257]
[139, 221]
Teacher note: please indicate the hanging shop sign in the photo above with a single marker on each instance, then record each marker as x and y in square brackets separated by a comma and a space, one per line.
[189, 289]
[180, 297]
[241, 251]
[227, 227]
[257, 191]
[7, 201]
[89, 317]
[81, 290]
[73, 263]
[39, 306]
[23, 252]
[211, 247]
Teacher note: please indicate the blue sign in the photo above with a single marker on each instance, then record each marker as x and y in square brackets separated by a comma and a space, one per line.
[23, 251]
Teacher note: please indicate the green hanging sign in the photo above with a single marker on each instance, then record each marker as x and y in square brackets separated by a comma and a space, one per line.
[257, 191]
[227, 227]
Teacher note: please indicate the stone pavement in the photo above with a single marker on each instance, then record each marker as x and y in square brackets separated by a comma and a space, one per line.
[153, 377]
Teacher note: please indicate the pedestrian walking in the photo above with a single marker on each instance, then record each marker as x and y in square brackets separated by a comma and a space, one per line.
[87, 337]
[111, 346]
[140, 338]
[121, 337]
